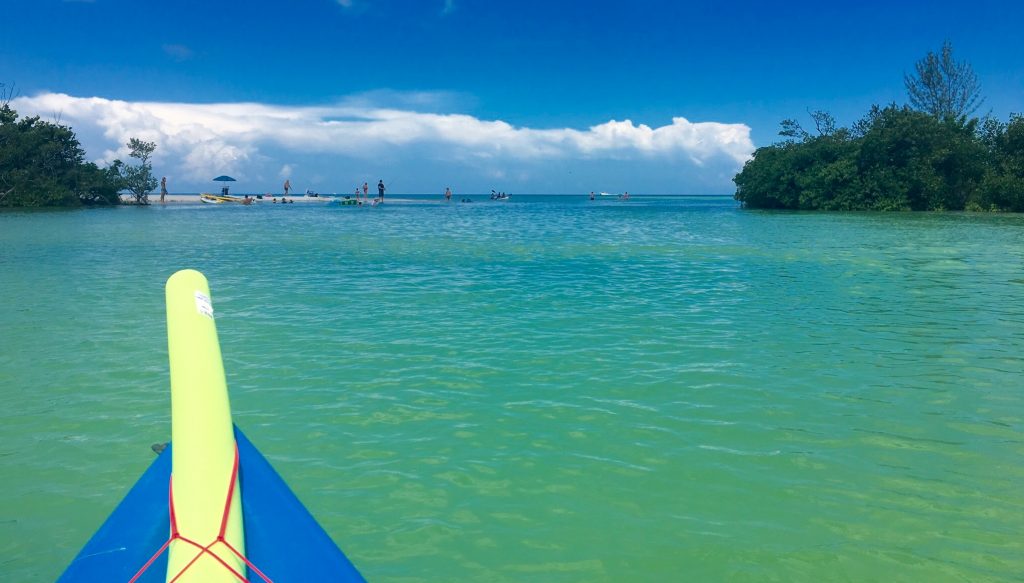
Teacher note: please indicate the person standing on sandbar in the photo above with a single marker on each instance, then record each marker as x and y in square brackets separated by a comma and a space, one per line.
[380, 189]
[287, 186]
[163, 189]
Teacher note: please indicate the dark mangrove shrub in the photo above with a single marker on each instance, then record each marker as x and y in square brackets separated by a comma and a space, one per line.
[895, 158]
[42, 164]
[1002, 187]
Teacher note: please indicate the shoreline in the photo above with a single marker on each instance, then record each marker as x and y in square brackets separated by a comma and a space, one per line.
[194, 199]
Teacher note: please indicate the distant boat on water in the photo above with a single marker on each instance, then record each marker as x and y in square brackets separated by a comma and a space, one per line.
[624, 196]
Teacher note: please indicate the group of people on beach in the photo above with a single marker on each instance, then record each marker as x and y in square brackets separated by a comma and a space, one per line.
[366, 192]
[494, 195]
[287, 186]
[448, 195]
[364, 196]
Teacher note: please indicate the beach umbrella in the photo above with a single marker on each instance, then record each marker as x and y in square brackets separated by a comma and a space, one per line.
[223, 178]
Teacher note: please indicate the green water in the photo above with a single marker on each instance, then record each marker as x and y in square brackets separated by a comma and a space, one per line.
[547, 389]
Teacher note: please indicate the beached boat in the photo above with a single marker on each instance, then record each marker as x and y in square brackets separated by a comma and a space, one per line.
[226, 516]
[222, 198]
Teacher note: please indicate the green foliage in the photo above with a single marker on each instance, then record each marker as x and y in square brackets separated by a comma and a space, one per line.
[910, 160]
[895, 158]
[942, 86]
[1002, 187]
[138, 179]
[98, 185]
[41, 164]
[823, 122]
[929, 157]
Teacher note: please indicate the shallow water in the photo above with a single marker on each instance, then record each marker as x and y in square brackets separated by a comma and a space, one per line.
[546, 389]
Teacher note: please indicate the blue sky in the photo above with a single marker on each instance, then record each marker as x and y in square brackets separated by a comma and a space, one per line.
[516, 96]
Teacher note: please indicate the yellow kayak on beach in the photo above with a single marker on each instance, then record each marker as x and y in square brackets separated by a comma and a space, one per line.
[220, 199]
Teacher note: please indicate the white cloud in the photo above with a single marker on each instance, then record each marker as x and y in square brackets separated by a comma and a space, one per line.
[217, 138]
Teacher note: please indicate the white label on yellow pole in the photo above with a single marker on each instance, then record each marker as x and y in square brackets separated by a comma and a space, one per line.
[203, 305]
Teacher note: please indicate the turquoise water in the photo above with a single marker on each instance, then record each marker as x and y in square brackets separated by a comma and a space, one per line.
[547, 389]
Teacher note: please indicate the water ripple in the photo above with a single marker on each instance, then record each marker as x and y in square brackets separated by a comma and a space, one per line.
[549, 389]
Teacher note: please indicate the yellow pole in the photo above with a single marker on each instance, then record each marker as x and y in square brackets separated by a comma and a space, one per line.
[203, 441]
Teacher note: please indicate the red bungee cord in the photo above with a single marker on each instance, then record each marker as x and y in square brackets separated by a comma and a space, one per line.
[175, 535]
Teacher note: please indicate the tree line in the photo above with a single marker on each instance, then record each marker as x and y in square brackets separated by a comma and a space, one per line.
[43, 164]
[927, 155]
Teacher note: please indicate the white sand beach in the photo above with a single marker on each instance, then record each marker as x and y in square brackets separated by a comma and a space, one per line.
[185, 198]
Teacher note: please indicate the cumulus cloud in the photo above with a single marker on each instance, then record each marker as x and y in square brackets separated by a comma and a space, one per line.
[215, 138]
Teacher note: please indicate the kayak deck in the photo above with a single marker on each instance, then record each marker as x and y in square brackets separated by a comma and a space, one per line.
[282, 538]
